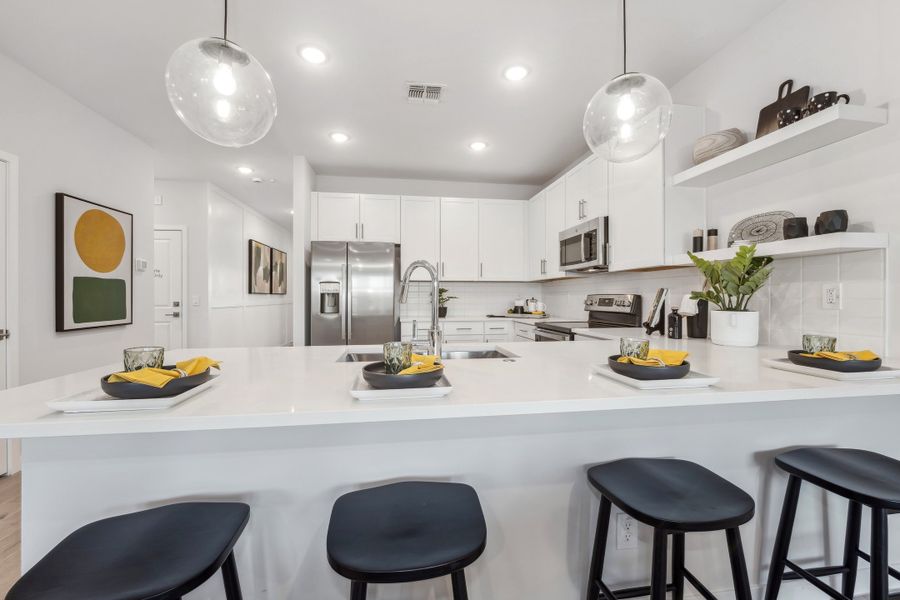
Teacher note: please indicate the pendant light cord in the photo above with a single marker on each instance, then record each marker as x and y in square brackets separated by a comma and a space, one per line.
[225, 27]
[624, 39]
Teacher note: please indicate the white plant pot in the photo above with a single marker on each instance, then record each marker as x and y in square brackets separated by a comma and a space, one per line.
[734, 328]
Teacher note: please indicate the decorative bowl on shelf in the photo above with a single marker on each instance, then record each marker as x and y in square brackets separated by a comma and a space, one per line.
[128, 390]
[376, 376]
[648, 373]
[841, 366]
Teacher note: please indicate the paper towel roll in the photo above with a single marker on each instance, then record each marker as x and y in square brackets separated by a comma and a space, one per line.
[688, 307]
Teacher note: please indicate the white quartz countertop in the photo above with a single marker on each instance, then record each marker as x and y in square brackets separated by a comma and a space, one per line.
[275, 387]
[520, 318]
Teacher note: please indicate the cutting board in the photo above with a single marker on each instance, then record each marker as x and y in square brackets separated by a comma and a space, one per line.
[768, 116]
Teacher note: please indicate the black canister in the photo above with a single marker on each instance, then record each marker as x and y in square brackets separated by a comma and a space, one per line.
[674, 328]
[698, 325]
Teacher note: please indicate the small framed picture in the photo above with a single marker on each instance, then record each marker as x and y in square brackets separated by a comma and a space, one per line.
[260, 268]
[279, 272]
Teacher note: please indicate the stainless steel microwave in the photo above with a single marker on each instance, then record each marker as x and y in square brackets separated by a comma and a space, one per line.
[584, 248]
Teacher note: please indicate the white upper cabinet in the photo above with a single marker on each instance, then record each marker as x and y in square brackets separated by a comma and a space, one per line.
[379, 218]
[556, 222]
[420, 232]
[636, 213]
[586, 191]
[501, 240]
[536, 266]
[356, 217]
[337, 217]
[459, 239]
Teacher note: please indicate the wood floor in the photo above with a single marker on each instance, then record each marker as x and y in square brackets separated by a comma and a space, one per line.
[10, 530]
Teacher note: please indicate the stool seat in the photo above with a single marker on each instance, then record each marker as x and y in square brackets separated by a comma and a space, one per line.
[866, 477]
[408, 531]
[672, 494]
[157, 554]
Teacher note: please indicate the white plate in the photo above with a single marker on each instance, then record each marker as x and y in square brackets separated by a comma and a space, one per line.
[691, 380]
[96, 400]
[786, 365]
[363, 391]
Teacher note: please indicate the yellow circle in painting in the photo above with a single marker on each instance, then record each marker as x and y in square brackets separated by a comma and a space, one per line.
[99, 240]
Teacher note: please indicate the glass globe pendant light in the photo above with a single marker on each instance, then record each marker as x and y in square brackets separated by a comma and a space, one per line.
[629, 116]
[220, 91]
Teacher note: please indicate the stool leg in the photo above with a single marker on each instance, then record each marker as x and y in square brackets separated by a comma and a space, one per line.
[879, 573]
[783, 538]
[678, 566]
[851, 547]
[658, 565]
[358, 590]
[230, 577]
[599, 552]
[458, 579]
[738, 565]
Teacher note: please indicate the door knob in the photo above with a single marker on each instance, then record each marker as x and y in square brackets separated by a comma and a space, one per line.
[175, 314]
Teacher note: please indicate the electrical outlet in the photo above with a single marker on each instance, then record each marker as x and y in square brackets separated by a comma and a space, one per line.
[626, 532]
[831, 296]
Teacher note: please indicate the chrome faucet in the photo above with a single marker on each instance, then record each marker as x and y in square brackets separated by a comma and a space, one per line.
[434, 334]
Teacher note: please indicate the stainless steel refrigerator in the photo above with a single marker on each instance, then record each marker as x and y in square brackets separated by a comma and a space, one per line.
[354, 293]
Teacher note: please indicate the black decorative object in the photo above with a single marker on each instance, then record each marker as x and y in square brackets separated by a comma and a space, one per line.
[768, 116]
[442, 312]
[129, 390]
[825, 100]
[376, 376]
[842, 366]
[648, 373]
[698, 325]
[795, 227]
[832, 221]
[764, 227]
[789, 116]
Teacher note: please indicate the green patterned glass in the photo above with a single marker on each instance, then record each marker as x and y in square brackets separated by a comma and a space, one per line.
[397, 356]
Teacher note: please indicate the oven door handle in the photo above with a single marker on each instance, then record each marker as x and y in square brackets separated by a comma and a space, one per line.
[584, 239]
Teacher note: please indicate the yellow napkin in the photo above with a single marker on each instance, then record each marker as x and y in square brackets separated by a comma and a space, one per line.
[160, 377]
[669, 358]
[422, 363]
[843, 356]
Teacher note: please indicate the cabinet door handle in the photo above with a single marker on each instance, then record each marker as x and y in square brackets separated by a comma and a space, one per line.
[464, 329]
[356, 233]
[362, 231]
[481, 269]
[414, 328]
[443, 269]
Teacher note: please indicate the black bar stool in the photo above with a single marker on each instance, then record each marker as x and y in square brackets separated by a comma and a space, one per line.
[674, 497]
[408, 531]
[865, 479]
[157, 554]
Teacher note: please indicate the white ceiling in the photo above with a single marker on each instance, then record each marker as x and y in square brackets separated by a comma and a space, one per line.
[111, 55]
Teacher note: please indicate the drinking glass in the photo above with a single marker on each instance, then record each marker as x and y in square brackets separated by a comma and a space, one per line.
[142, 357]
[819, 343]
[635, 347]
[397, 356]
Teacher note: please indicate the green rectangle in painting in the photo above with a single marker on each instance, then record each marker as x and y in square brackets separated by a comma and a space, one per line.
[95, 300]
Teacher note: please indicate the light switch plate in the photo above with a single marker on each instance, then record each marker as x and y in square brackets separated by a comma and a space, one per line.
[195, 300]
[141, 264]
[831, 296]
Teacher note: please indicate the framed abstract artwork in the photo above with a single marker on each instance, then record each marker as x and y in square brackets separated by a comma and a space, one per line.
[260, 268]
[93, 265]
[279, 272]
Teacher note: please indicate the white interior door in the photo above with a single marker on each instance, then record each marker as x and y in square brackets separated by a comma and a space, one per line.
[168, 301]
[4, 324]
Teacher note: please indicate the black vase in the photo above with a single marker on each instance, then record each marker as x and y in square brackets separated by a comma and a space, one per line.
[832, 221]
[795, 227]
[442, 311]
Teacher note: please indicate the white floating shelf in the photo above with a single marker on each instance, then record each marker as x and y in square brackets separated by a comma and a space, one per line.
[815, 131]
[829, 243]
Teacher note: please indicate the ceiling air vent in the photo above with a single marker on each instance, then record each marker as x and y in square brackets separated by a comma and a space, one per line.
[424, 93]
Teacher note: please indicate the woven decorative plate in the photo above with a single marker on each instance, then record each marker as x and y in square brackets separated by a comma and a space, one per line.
[764, 227]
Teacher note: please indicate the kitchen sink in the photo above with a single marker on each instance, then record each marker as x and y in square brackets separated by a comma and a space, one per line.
[445, 355]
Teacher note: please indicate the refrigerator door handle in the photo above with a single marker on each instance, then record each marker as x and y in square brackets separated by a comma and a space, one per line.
[349, 306]
[345, 273]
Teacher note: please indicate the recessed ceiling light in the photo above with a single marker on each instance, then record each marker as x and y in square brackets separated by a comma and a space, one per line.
[257, 180]
[292, 211]
[339, 137]
[244, 170]
[313, 55]
[478, 146]
[516, 73]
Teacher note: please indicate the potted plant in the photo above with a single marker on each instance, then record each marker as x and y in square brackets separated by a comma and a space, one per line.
[443, 299]
[729, 287]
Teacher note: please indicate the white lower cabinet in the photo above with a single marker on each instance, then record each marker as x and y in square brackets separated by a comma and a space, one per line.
[524, 331]
[455, 332]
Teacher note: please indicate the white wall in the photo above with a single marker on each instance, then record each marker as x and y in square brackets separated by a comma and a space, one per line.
[830, 45]
[424, 187]
[473, 298]
[65, 147]
[219, 226]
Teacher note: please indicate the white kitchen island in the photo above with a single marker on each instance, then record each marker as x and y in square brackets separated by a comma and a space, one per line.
[280, 431]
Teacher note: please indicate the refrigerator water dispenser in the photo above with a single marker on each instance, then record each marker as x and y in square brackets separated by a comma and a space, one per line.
[329, 297]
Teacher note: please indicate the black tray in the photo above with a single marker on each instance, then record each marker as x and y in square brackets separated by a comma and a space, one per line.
[841, 366]
[131, 391]
[648, 373]
[375, 376]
